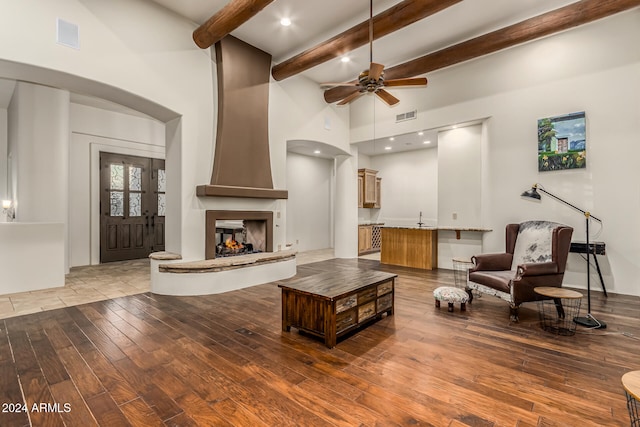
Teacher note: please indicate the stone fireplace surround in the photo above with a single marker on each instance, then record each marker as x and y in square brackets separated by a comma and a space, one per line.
[170, 275]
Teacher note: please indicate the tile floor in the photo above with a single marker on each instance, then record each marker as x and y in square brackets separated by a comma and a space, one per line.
[105, 281]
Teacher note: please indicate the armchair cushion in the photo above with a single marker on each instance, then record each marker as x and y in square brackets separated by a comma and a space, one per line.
[499, 280]
[533, 244]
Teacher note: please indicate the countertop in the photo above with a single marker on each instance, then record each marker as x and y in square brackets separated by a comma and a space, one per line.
[444, 228]
[441, 228]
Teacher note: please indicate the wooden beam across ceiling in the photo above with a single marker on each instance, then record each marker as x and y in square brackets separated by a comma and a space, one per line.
[573, 15]
[227, 19]
[399, 16]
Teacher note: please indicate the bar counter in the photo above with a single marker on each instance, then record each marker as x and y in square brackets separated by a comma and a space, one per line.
[415, 247]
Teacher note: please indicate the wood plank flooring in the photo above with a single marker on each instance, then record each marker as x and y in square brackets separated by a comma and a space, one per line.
[222, 360]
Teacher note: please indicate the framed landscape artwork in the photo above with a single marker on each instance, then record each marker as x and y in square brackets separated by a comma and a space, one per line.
[562, 142]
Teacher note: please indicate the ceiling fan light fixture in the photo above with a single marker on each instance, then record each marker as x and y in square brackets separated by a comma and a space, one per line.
[372, 79]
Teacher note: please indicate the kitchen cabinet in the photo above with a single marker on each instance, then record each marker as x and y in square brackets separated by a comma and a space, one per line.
[369, 188]
[369, 238]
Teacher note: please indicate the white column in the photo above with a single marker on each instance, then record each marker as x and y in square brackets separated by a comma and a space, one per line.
[38, 140]
[346, 206]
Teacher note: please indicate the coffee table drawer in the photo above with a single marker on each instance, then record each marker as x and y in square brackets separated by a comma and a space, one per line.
[367, 295]
[385, 288]
[366, 311]
[385, 302]
[346, 303]
[345, 320]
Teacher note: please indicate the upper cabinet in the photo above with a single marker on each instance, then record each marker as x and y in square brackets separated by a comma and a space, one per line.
[368, 188]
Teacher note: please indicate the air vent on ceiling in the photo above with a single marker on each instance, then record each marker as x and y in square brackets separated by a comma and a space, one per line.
[409, 115]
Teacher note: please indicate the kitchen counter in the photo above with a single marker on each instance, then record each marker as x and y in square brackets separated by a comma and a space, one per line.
[415, 247]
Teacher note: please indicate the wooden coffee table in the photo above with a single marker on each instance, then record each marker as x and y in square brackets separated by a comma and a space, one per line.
[329, 305]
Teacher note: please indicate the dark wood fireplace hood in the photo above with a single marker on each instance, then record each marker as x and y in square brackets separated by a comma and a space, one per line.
[241, 164]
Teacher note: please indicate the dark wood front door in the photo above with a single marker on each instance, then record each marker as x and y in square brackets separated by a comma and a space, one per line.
[132, 203]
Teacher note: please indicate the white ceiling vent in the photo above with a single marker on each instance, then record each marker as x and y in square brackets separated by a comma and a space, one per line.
[67, 34]
[409, 115]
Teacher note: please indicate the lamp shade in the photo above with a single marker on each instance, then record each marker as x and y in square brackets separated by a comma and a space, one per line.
[532, 193]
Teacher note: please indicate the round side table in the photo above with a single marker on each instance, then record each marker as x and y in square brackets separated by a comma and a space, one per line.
[559, 309]
[631, 384]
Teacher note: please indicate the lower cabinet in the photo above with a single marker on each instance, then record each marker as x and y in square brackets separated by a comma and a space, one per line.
[369, 239]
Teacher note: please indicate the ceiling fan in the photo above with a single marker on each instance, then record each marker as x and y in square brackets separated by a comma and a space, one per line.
[372, 80]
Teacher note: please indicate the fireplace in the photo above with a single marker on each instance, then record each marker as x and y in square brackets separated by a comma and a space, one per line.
[230, 233]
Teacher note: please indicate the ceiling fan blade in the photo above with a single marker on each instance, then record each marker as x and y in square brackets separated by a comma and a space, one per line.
[330, 85]
[350, 98]
[338, 93]
[387, 97]
[418, 81]
[375, 70]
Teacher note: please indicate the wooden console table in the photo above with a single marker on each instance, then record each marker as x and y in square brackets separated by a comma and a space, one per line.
[329, 305]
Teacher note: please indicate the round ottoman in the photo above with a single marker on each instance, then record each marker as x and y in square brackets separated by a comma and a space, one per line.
[451, 295]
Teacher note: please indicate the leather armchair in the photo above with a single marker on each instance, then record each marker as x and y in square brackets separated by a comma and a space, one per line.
[536, 255]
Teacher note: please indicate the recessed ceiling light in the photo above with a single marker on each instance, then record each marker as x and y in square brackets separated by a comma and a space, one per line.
[345, 59]
[391, 139]
[316, 152]
[426, 142]
[420, 133]
[285, 22]
[387, 148]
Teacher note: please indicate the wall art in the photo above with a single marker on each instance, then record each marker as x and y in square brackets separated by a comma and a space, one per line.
[562, 142]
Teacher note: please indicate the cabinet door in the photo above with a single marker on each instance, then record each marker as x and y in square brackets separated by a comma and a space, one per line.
[364, 238]
[360, 196]
[377, 204]
[369, 187]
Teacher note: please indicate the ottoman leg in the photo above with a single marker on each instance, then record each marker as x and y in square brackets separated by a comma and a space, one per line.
[463, 306]
[437, 303]
[450, 306]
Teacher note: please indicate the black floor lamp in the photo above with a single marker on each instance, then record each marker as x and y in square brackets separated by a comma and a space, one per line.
[588, 320]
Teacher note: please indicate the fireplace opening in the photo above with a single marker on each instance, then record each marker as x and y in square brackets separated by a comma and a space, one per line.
[230, 233]
[240, 237]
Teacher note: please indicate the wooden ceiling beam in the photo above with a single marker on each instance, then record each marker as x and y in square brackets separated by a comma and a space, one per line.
[227, 19]
[573, 15]
[399, 16]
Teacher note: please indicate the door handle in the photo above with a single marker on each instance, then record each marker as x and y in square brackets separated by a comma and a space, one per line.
[153, 220]
[147, 218]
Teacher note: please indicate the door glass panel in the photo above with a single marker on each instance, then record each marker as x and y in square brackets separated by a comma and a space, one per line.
[161, 204]
[162, 181]
[135, 204]
[117, 203]
[117, 177]
[135, 178]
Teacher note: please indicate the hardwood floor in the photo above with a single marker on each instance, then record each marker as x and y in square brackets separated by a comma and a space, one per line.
[223, 360]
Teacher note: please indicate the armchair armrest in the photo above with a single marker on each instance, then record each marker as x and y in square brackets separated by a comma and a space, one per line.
[537, 269]
[492, 262]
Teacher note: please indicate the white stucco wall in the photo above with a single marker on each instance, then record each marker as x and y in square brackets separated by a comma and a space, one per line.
[309, 208]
